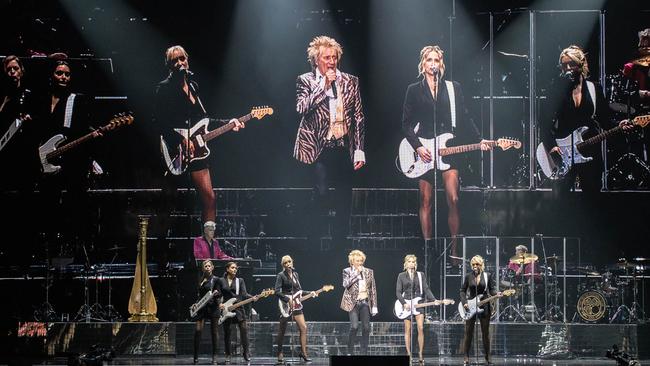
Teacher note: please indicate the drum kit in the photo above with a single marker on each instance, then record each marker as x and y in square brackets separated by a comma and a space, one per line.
[526, 277]
[629, 171]
[614, 295]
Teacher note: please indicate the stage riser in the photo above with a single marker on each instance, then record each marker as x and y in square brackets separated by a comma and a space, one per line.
[330, 338]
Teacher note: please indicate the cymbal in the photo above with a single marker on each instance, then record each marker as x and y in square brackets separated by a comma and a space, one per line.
[621, 108]
[461, 258]
[523, 259]
[115, 248]
[640, 260]
[588, 271]
[624, 264]
[554, 258]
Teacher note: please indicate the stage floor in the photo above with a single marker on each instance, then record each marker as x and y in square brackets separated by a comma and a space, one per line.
[326, 361]
[172, 342]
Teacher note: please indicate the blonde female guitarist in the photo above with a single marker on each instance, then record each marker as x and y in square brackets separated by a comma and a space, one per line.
[287, 284]
[476, 284]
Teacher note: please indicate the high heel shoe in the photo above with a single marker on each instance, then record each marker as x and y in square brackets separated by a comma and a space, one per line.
[304, 358]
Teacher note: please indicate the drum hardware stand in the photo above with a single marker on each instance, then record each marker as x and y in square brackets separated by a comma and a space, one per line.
[552, 310]
[109, 311]
[512, 312]
[46, 312]
[85, 312]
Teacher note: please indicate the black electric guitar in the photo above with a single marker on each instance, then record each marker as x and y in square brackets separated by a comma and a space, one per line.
[177, 158]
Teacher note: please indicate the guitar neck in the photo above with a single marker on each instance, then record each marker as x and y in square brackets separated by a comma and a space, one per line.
[424, 304]
[225, 128]
[310, 295]
[483, 302]
[463, 148]
[600, 137]
[242, 303]
[71, 145]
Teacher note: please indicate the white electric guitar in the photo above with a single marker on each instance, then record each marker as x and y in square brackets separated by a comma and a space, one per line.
[53, 148]
[229, 306]
[556, 166]
[415, 304]
[413, 166]
[474, 304]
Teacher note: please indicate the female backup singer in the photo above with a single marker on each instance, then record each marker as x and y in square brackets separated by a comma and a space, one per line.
[234, 286]
[478, 282]
[359, 298]
[411, 284]
[287, 283]
[429, 103]
[209, 282]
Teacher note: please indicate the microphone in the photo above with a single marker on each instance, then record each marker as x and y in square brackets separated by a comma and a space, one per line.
[185, 71]
[435, 70]
[334, 89]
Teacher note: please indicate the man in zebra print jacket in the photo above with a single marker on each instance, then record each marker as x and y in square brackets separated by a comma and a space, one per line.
[331, 133]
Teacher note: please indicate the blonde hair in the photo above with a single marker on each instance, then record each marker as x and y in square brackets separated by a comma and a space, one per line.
[169, 54]
[644, 38]
[522, 248]
[423, 55]
[286, 259]
[411, 256]
[478, 259]
[356, 253]
[314, 49]
[577, 55]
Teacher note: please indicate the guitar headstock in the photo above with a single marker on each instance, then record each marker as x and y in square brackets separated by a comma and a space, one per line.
[119, 120]
[641, 121]
[267, 292]
[506, 143]
[260, 112]
[509, 292]
[327, 288]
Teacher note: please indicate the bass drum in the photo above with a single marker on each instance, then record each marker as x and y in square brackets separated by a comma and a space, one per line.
[592, 306]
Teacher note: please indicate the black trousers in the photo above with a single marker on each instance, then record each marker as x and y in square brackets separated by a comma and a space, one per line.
[485, 330]
[243, 334]
[361, 311]
[333, 168]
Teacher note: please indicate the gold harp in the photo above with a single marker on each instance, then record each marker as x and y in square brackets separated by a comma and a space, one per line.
[142, 303]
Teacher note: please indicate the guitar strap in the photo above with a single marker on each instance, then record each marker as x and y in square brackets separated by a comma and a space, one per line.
[237, 285]
[486, 282]
[69, 105]
[420, 280]
[592, 93]
[452, 102]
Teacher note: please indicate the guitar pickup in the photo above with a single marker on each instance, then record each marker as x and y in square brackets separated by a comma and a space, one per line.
[200, 140]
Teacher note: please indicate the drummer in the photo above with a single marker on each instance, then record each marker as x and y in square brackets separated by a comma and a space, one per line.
[523, 264]
[639, 68]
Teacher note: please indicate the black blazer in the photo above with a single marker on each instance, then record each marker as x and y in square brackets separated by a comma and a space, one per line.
[211, 309]
[568, 117]
[469, 289]
[404, 284]
[284, 287]
[419, 106]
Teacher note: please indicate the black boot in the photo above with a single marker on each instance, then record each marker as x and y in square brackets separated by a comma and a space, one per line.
[197, 343]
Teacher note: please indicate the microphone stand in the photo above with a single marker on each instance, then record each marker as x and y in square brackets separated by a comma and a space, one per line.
[411, 316]
[293, 320]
